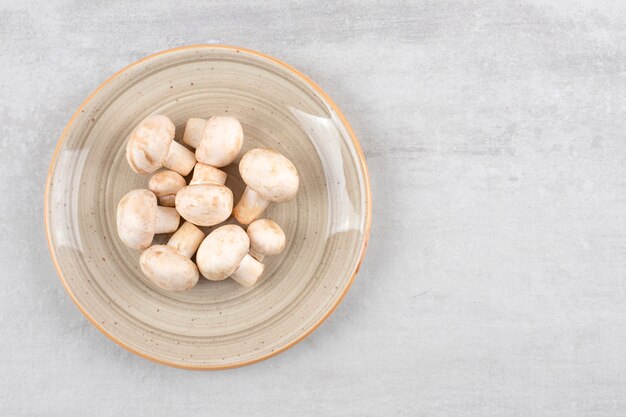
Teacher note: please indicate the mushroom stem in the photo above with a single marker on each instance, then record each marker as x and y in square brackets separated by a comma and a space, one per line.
[167, 200]
[187, 239]
[180, 159]
[248, 272]
[167, 219]
[206, 174]
[193, 132]
[250, 206]
[256, 255]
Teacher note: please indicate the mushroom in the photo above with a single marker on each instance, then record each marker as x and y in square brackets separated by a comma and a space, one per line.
[168, 266]
[269, 176]
[205, 201]
[139, 219]
[151, 145]
[224, 253]
[266, 238]
[217, 141]
[165, 184]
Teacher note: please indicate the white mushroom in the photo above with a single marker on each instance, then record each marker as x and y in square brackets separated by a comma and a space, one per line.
[139, 219]
[205, 201]
[269, 176]
[151, 145]
[266, 238]
[165, 184]
[221, 252]
[224, 253]
[217, 141]
[168, 266]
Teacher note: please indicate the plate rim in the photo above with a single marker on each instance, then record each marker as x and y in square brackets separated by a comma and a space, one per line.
[366, 184]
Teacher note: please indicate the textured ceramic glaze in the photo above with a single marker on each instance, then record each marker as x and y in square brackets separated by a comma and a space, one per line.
[215, 324]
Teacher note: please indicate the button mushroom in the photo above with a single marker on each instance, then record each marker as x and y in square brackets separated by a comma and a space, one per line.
[139, 219]
[269, 176]
[266, 238]
[217, 141]
[168, 266]
[165, 184]
[224, 253]
[151, 145]
[205, 201]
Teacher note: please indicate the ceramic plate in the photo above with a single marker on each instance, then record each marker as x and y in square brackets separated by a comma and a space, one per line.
[216, 324]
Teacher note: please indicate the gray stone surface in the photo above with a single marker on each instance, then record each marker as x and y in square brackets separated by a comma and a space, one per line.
[494, 283]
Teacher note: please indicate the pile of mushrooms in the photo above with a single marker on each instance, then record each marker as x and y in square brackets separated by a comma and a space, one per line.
[228, 250]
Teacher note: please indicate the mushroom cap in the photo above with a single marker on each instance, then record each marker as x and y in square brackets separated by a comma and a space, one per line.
[166, 182]
[168, 269]
[205, 204]
[149, 143]
[136, 218]
[270, 174]
[222, 251]
[222, 139]
[266, 237]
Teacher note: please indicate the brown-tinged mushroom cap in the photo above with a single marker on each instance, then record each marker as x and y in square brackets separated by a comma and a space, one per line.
[266, 237]
[165, 184]
[168, 268]
[205, 204]
[136, 218]
[270, 174]
[222, 251]
[151, 145]
[222, 139]
[139, 218]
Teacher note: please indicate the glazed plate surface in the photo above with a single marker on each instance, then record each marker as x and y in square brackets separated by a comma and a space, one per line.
[216, 324]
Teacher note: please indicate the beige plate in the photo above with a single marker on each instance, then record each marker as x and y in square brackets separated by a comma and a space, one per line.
[216, 324]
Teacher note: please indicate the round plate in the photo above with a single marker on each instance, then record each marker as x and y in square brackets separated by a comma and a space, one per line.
[215, 325]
